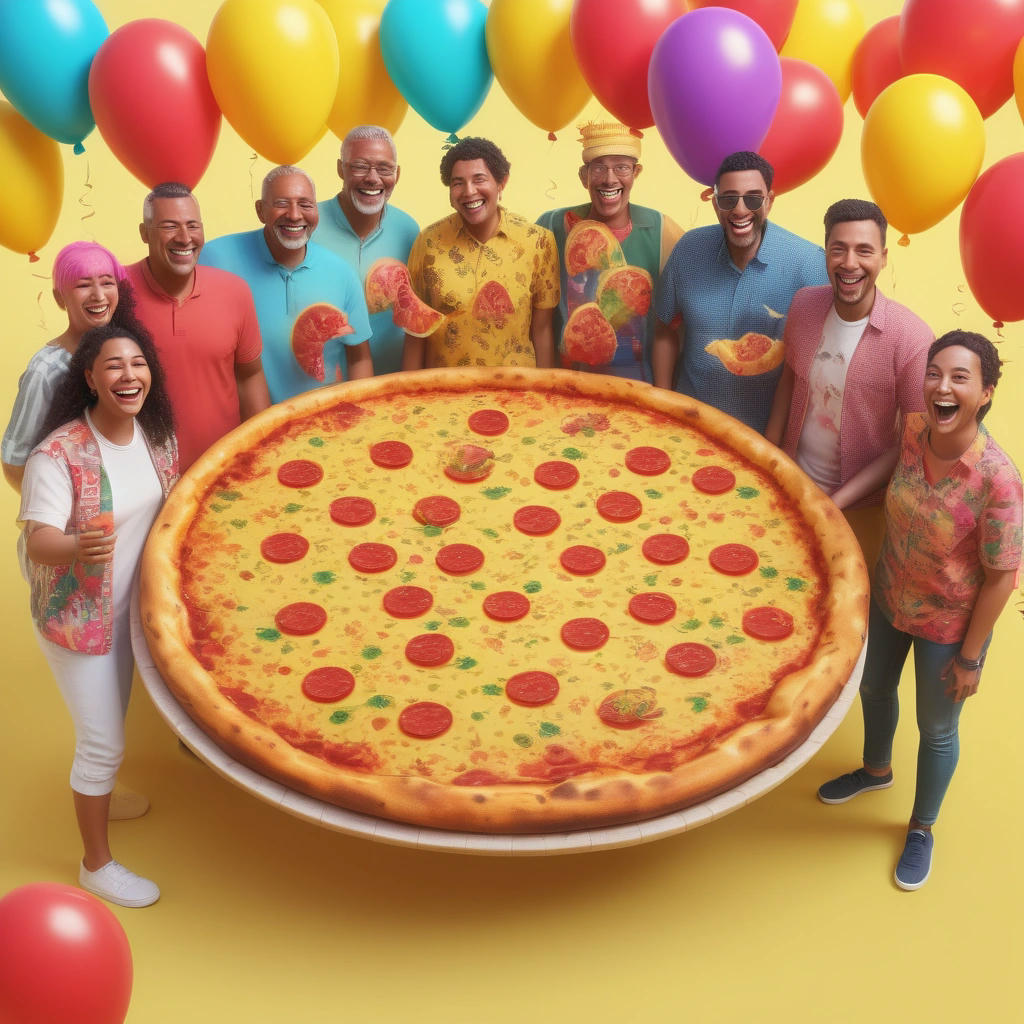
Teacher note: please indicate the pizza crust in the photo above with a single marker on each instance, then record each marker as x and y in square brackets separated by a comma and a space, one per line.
[798, 703]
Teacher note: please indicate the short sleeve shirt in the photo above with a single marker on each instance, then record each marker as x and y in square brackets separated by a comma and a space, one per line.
[488, 290]
[36, 388]
[941, 537]
[392, 239]
[281, 294]
[716, 301]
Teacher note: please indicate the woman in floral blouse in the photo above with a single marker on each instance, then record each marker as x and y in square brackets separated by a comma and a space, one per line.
[91, 490]
[948, 566]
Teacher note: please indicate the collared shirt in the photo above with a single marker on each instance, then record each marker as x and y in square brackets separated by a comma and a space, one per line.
[488, 290]
[647, 244]
[200, 341]
[281, 294]
[940, 537]
[391, 239]
[717, 301]
[36, 388]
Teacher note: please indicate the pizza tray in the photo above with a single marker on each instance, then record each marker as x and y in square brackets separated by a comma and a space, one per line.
[397, 834]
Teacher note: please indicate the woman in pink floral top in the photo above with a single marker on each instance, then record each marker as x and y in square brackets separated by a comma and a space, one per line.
[948, 566]
[91, 490]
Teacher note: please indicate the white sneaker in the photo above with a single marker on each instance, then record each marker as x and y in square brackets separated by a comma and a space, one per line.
[115, 883]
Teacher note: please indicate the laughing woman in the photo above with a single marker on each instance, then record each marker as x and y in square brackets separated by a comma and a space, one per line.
[948, 566]
[91, 490]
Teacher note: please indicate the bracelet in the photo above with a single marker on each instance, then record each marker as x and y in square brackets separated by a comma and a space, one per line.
[972, 665]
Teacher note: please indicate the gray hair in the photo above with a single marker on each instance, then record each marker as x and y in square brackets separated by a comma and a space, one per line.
[283, 171]
[166, 190]
[372, 132]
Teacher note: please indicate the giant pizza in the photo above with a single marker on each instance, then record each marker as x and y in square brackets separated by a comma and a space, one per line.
[502, 601]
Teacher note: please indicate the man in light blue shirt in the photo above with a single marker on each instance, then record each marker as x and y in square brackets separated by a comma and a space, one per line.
[287, 274]
[361, 226]
[732, 282]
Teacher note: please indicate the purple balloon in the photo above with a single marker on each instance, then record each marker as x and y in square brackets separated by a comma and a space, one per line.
[714, 82]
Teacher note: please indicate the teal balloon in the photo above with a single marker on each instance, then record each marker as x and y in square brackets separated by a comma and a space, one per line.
[46, 49]
[436, 54]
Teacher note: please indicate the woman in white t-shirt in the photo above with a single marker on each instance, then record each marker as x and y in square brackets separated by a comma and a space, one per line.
[91, 490]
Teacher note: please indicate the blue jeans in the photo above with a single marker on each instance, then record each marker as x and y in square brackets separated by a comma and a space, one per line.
[937, 714]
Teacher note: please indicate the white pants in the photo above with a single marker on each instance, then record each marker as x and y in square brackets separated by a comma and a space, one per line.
[95, 688]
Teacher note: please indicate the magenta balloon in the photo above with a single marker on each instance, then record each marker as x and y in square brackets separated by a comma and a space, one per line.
[714, 82]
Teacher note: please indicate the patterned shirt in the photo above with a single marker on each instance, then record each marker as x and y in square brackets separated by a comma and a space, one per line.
[941, 537]
[36, 388]
[488, 290]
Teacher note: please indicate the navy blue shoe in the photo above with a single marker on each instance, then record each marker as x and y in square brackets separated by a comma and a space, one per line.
[846, 787]
[916, 863]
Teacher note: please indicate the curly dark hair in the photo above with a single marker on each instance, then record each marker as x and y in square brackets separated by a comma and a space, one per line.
[474, 148]
[988, 356]
[854, 209]
[745, 160]
[73, 396]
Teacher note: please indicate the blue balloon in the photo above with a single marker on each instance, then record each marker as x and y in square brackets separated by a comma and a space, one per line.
[436, 54]
[46, 49]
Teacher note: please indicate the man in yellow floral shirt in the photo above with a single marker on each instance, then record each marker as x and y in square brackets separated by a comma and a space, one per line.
[491, 272]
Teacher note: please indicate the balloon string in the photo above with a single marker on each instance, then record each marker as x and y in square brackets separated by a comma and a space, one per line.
[252, 174]
[83, 198]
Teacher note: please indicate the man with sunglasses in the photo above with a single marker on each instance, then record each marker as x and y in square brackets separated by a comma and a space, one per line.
[732, 283]
[361, 226]
[611, 164]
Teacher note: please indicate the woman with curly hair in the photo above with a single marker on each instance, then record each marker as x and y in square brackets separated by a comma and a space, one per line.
[92, 488]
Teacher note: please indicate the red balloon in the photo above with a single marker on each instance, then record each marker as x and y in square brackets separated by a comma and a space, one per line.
[971, 43]
[774, 16]
[63, 957]
[153, 103]
[876, 62]
[807, 126]
[991, 245]
[613, 41]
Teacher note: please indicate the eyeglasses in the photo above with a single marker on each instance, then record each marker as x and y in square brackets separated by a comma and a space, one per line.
[358, 169]
[606, 170]
[751, 200]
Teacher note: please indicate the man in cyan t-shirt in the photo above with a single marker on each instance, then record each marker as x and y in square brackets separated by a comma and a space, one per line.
[287, 273]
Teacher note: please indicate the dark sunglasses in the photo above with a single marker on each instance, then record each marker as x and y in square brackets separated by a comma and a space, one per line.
[751, 200]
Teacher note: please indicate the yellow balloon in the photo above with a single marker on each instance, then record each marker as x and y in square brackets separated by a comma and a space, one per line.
[922, 146]
[825, 33]
[365, 95]
[531, 53]
[273, 68]
[32, 171]
[1018, 78]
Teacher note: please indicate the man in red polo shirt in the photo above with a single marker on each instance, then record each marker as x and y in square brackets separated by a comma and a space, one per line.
[203, 322]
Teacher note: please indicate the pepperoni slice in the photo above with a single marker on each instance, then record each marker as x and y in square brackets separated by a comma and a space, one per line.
[300, 473]
[300, 619]
[619, 506]
[647, 460]
[284, 547]
[408, 602]
[536, 520]
[328, 684]
[425, 720]
[585, 634]
[390, 454]
[371, 557]
[714, 479]
[733, 559]
[665, 548]
[582, 560]
[556, 476]
[436, 510]
[350, 511]
[532, 689]
[691, 659]
[506, 606]
[429, 650]
[459, 559]
[489, 422]
[767, 623]
[652, 607]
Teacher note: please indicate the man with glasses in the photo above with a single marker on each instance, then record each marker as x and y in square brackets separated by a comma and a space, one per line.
[361, 226]
[611, 155]
[727, 288]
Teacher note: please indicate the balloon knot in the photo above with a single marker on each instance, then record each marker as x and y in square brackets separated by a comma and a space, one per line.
[79, 149]
[33, 258]
[998, 324]
[636, 131]
[552, 137]
[707, 193]
[452, 139]
[904, 241]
